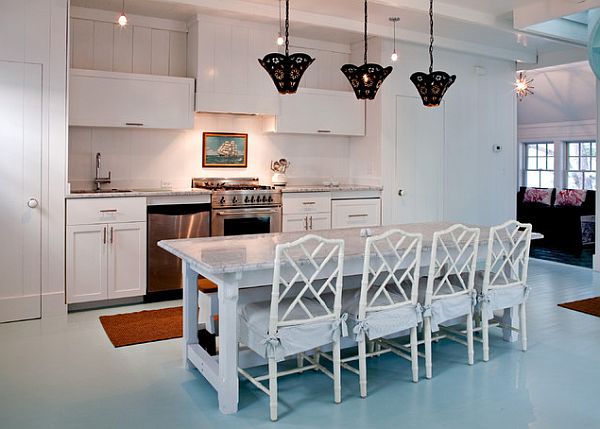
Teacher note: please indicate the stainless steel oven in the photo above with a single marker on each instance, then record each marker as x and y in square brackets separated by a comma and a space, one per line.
[256, 220]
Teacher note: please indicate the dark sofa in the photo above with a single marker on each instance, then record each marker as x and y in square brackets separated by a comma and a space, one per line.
[561, 225]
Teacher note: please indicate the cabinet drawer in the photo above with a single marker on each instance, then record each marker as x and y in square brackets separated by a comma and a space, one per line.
[311, 202]
[356, 213]
[88, 211]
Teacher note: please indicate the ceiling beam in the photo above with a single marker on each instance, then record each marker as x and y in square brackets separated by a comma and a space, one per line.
[546, 10]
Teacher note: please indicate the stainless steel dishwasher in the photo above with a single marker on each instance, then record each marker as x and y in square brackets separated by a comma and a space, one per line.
[168, 222]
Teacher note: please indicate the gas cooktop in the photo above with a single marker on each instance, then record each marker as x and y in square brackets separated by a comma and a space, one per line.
[239, 192]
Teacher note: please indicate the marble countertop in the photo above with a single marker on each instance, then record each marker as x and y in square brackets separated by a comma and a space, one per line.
[141, 193]
[219, 255]
[330, 188]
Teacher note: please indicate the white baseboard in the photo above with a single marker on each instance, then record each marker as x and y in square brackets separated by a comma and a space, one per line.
[53, 304]
[596, 262]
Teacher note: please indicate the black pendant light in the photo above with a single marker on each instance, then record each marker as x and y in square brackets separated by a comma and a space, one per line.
[366, 79]
[434, 85]
[286, 70]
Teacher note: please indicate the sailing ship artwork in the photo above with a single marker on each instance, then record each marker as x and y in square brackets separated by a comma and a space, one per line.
[224, 150]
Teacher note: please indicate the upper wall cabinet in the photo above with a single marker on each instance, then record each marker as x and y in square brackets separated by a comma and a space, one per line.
[317, 111]
[109, 99]
[223, 57]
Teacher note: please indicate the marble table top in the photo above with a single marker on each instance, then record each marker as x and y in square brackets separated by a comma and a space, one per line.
[219, 255]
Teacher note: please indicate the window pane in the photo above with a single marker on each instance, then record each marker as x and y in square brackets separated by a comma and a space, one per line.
[573, 163]
[533, 179]
[550, 163]
[575, 181]
[593, 148]
[590, 181]
[573, 149]
[547, 179]
[585, 149]
[531, 150]
[531, 163]
[593, 164]
[585, 163]
[550, 149]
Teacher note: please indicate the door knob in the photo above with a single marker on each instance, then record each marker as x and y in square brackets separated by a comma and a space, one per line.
[401, 192]
[32, 203]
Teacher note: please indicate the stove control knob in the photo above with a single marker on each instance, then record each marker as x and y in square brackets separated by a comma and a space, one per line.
[246, 199]
[222, 200]
[270, 199]
[252, 199]
[235, 200]
[264, 198]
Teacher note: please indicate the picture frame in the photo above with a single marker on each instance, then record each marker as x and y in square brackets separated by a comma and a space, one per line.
[224, 150]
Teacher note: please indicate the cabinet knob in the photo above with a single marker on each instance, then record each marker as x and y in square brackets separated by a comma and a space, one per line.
[32, 203]
[401, 192]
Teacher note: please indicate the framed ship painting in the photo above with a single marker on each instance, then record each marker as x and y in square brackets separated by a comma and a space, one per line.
[224, 150]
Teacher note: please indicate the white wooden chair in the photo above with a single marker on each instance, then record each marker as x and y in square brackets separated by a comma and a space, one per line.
[387, 302]
[297, 319]
[449, 291]
[503, 283]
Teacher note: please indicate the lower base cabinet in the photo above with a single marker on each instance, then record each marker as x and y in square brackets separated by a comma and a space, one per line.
[306, 222]
[106, 261]
[355, 213]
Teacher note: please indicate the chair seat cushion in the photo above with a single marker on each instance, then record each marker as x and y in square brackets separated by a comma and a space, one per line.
[253, 328]
[498, 298]
[378, 324]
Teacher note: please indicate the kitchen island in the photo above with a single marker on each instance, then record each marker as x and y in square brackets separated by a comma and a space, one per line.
[239, 264]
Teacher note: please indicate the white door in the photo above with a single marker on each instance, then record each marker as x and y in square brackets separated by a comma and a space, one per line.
[20, 190]
[126, 259]
[419, 161]
[87, 255]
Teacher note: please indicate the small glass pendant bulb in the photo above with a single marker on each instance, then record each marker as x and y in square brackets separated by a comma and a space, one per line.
[122, 20]
[394, 56]
[280, 40]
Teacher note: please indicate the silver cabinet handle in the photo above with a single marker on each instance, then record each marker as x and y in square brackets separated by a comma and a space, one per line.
[305, 223]
[32, 203]
[324, 131]
[111, 235]
[104, 239]
[309, 203]
[358, 215]
[246, 212]
[108, 211]
[134, 124]
[310, 227]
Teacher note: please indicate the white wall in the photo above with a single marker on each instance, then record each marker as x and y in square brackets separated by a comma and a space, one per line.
[479, 185]
[144, 158]
[35, 31]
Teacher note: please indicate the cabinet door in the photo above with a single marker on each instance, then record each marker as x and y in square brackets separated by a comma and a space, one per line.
[360, 212]
[86, 263]
[126, 259]
[294, 223]
[319, 221]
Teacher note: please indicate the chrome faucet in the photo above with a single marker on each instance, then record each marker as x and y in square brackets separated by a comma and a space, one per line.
[100, 180]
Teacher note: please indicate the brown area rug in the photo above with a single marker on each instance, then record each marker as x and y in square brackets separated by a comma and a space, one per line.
[143, 326]
[587, 306]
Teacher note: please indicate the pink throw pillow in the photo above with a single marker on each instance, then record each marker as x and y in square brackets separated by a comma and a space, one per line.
[570, 197]
[537, 195]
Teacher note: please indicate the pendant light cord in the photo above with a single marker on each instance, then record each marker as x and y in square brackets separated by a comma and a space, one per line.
[287, 27]
[366, 18]
[430, 36]
[280, 20]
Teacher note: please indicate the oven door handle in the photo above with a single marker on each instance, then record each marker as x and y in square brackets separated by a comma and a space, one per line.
[246, 212]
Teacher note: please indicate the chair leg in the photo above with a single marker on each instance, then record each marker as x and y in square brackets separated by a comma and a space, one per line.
[485, 336]
[470, 352]
[414, 354]
[362, 365]
[523, 326]
[337, 373]
[273, 388]
[317, 357]
[427, 329]
[300, 360]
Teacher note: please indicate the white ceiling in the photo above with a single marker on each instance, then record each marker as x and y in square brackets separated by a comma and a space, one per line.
[485, 23]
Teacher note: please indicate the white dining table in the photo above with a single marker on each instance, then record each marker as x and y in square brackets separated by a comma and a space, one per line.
[240, 266]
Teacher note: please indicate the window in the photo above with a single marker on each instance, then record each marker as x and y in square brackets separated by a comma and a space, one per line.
[539, 165]
[581, 165]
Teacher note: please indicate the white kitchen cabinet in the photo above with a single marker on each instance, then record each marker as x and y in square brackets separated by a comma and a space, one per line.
[318, 111]
[306, 222]
[110, 99]
[106, 257]
[353, 213]
[306, 211]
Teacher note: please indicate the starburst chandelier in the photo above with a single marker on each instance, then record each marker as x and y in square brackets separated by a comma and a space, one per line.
[523, 86]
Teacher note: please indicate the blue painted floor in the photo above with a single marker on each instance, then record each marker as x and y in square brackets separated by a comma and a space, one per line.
[64, 373]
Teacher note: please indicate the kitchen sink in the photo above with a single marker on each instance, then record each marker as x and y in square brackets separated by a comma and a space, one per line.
[101, 191]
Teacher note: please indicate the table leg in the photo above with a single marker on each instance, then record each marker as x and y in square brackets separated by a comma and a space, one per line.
[190, 311]
[510, 317]
[228, 344]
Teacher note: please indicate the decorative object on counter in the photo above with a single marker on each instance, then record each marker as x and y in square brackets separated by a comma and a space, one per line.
[122, 20]
[432, 86]
[523, 86]
[286, 70]
[224, 150]
[279, 168]
[366, 79]
[394, 56]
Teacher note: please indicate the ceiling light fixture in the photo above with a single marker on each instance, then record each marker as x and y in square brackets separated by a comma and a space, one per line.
[366, 79]
[122, 21]
[523, 86]
[286, 70]
[432, 86]
[394, 19]
[280, 40]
